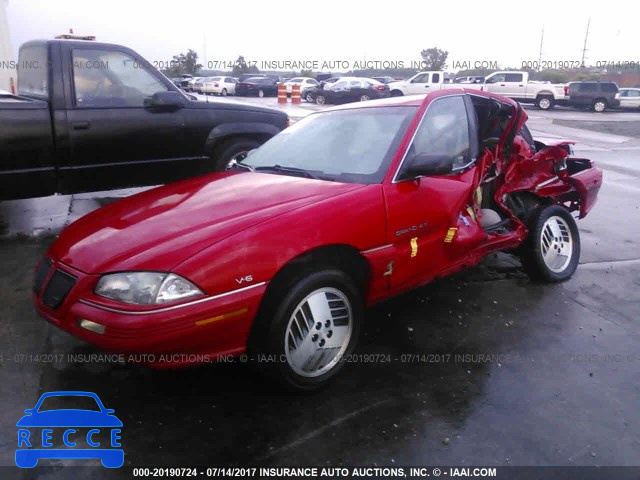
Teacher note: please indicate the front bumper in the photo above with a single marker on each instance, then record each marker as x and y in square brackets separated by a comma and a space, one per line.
[196, 331]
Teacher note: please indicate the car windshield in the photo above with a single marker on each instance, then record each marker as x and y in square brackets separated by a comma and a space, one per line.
[353, 145]
[66, 402]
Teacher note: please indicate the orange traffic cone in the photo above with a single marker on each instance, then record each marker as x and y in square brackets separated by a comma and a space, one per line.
[295, 94]
[282, 93]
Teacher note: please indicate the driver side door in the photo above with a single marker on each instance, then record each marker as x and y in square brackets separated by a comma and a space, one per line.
[423, 213]
[116, 140]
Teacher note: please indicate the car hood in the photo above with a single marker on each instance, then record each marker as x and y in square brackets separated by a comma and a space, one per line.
[160, 228]
[69, 418]
[220, 103]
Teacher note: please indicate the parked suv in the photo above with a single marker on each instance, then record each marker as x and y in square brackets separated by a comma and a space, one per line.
[595, 95]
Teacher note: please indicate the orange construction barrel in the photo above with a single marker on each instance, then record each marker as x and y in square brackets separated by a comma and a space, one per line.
[295, 93]
[282, 93]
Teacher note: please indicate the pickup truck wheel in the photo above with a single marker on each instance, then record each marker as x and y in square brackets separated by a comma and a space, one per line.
[599, 105]
[545, 103]
[236, 150]
[320, 100]
[312, 328]
[552, 249]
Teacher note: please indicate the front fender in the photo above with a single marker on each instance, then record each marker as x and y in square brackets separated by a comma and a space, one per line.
[239, 128]
[263, 249]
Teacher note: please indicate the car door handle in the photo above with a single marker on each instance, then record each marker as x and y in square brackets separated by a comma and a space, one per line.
[502, 84]
[521, 85]
[426, 86]
[80, 125]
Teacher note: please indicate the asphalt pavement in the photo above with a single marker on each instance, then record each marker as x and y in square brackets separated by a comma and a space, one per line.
[481, 368]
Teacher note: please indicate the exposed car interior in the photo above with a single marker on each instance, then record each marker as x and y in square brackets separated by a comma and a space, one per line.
[492, 117]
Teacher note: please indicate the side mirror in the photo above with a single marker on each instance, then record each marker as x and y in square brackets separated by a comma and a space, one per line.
[427, 164]
[165, 101]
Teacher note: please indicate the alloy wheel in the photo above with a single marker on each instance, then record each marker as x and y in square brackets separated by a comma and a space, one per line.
[556, 244]
[318, 332]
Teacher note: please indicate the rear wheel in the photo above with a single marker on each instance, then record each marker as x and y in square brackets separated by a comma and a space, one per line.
[599, 105]
[235, 150]
[552, 249]
[320, 100]
[396, 93]
[308, 96]
[364, 98]
[223, 92]
[310, 329]
[261, 93]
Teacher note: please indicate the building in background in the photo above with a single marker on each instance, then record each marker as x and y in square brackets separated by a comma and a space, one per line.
[6, 52]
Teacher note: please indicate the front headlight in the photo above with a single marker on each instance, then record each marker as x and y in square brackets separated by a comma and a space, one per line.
[146, 288]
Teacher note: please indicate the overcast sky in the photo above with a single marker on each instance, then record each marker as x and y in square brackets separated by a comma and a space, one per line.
[349, 30]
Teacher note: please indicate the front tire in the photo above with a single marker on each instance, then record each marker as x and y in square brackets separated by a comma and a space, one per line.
[223, 92]
[320, 100]
[261, 93]
[235, 150]
[396, 93]
[552, 249]
[310, 329]
[365, 98]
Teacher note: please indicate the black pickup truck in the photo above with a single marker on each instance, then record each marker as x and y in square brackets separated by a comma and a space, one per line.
[94, 116]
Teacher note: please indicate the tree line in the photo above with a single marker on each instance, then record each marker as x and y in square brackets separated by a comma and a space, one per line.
[432, 58]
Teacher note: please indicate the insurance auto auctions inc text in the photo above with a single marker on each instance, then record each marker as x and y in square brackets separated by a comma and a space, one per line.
[338, 65]
[367, 472]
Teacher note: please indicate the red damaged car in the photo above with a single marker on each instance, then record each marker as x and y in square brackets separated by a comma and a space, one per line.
[279, 255]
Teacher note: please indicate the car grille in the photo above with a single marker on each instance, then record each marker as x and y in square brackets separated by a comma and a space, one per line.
[41, 274]
[58, 288]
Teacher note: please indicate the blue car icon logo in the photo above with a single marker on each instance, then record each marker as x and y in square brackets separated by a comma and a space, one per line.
[69, 433]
